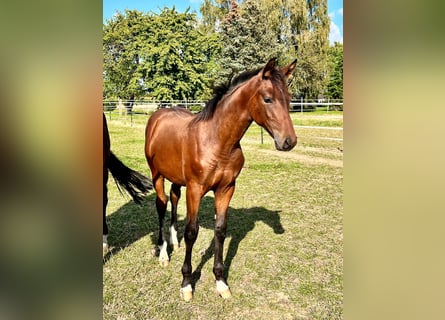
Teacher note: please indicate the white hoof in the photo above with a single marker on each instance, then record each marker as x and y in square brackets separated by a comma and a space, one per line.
[187, 293]
[223, 289]
[105, 243]
[164, 263]
[163, 255]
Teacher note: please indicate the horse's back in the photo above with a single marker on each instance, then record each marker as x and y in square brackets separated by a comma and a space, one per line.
[165, 133]
[170, 122]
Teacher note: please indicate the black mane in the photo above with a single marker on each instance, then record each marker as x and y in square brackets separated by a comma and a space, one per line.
[220, 91]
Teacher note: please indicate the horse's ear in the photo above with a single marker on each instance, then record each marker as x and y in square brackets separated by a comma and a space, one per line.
[287, 71]
[268, 68]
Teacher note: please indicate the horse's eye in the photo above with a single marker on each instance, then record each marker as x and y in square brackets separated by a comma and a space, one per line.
[267, 100]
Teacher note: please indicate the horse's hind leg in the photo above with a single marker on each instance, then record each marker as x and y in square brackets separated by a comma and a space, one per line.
[161, 206]
[175, 194]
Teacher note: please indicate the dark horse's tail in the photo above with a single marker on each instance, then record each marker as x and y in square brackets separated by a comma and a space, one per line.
[135, 183]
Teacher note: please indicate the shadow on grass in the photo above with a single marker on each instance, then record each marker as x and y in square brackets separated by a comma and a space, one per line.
[132, 222]
[239, 223]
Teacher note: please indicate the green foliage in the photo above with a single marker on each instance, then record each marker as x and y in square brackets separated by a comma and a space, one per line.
[174, 55]
[247, 42]
[256, 30]
[123, 39]
[310, 32]
[161, 55]
[335, 85]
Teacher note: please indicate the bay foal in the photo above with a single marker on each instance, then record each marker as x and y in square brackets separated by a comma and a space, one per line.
[202, 152]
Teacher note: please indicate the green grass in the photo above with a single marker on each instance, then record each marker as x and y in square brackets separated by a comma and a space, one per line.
[283, 251]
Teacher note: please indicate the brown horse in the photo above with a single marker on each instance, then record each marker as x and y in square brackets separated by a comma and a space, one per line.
[132, 181]
[203, 153]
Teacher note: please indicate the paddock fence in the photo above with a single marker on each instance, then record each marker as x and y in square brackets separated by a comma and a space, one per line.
[149, 106]
[130, 111]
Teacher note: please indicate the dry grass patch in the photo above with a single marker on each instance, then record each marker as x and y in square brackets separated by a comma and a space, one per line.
[283, 251]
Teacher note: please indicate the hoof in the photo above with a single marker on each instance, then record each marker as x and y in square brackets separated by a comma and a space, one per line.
[105, 243]
[176, 247]
[223, 289]
[187, 293]
[163, 255]
[164, 263]
[155, 252]
[226, 294]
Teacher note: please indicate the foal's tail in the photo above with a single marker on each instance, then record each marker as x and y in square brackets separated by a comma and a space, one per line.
[135, 183]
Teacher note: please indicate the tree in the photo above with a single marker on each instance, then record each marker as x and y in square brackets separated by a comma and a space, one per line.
[123, 39]
[232, 38]
[261, 42]
[177, 55]
[255, 30]
[246, 40]
[309, 32]
[335, 84]
[172, 55]
[164, 56]
[213, 12]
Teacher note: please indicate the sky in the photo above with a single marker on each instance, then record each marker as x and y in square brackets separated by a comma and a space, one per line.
[335, 10]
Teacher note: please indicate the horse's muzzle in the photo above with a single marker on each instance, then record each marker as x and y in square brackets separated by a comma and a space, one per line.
[285, 145]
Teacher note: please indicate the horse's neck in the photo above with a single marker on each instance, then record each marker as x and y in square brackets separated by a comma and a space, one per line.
[232, 119]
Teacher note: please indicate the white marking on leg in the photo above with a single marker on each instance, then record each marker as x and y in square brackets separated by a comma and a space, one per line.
[163, 255]
[105, 242]
[187, 288]
[187, 292]
[221, 286]
[174, 237]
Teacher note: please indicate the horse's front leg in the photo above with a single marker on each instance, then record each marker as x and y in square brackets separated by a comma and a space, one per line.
[193, 198]
[222, 200]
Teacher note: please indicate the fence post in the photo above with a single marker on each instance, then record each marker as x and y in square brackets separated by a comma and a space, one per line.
[261, 135]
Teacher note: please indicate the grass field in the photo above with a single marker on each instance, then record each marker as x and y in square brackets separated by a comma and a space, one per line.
[284, 246]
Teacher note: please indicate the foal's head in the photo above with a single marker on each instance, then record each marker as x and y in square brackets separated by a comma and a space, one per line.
[269, 107]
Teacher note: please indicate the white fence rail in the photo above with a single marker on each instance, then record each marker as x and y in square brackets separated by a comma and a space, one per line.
[322, 128]
[148, 106]
[299, 105]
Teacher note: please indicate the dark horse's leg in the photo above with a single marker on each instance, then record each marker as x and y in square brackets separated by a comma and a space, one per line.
[106, 157]
[161, 206]
[222, 200]
[175, 194]
[105, 198]
[193, 198]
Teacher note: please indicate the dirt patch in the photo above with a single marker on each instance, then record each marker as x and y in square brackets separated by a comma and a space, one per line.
[309, 160]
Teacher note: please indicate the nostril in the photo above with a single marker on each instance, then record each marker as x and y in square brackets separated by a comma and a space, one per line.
[287, 144]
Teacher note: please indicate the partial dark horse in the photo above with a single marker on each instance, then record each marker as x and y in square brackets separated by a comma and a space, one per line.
[132, 181]
[203, 153]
